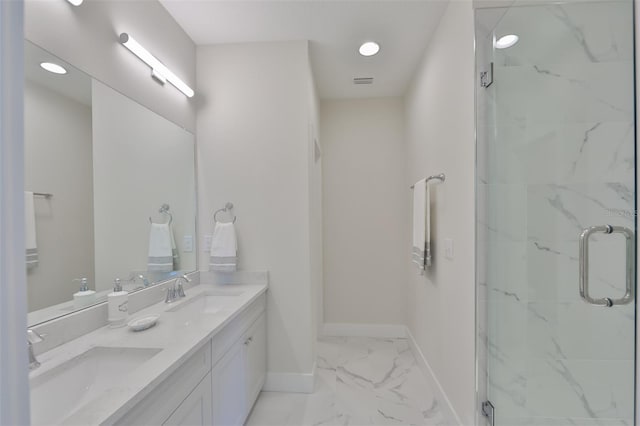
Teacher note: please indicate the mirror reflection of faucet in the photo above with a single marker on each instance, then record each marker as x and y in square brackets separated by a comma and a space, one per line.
[84, 296]
[134, 277]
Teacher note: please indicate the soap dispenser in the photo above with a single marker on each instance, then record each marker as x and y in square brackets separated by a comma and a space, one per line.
[84, 296]
[118, 305]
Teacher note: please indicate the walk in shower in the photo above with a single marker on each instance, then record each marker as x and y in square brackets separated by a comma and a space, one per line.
[556, 213]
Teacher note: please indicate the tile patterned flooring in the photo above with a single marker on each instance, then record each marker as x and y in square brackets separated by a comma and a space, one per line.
[360, 381]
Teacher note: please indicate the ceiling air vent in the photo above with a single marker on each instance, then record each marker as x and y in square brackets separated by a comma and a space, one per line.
[363, 80]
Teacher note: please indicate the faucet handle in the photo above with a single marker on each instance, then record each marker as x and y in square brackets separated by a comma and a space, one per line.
[180, 290]
[33, 336]
[171, 293]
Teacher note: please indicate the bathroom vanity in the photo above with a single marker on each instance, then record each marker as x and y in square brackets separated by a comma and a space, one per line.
[204, 363]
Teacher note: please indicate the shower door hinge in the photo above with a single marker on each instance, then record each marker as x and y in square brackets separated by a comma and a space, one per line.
[488, 410]
[486, 77]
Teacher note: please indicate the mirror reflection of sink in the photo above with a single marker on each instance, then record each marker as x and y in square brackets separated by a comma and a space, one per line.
[210, 302]
[57, 393]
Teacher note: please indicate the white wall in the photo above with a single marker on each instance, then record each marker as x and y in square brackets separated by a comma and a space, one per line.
[58, 160]
[253, 150]
[87, 37]
[14, 385]
[365, 211]
[439, 109]
[314, 155]
[140, 161]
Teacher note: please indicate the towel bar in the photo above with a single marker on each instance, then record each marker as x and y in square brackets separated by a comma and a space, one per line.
[43, 194]
[439, 177]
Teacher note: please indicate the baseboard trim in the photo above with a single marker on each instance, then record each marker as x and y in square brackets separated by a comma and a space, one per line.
[384, 331]
[291, 382]
[446, 405]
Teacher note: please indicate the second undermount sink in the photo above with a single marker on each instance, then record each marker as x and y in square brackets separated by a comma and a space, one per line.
[57, 393]
[209, 302]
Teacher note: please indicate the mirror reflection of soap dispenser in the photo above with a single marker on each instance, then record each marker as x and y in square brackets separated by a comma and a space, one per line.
[84, 296]
[118, 302]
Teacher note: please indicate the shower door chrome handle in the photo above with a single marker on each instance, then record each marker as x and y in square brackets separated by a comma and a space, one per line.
[630, 265]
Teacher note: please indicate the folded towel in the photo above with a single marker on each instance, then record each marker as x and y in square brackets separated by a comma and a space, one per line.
[160, 256]
[224, 248]
[30, 228]
[421, 247]
[174, 250]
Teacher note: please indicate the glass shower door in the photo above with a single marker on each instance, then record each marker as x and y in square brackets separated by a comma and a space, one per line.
[556, 213]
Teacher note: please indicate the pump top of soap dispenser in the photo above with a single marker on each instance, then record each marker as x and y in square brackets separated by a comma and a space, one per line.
[117, 285]
[84, 284]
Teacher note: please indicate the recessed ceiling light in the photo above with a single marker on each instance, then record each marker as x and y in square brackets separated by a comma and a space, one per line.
[506, 41]
[75, 2]
[369, 48]
[54, 68]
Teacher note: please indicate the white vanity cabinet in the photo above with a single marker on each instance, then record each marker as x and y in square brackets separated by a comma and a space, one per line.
[239, 376]
[218, 385]
[196, 409]
[255, 359]
[228, 379]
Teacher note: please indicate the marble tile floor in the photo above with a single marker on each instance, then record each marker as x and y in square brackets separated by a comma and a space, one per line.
[360, 381]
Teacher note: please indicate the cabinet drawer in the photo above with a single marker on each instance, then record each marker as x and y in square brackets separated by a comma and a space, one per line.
[156, 407]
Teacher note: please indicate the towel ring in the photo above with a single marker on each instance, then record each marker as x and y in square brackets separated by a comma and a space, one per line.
[164, 209]
[227, 207]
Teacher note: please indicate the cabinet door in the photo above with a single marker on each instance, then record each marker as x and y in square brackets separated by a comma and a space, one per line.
[196, 409]
[255, 355]
[228, 383]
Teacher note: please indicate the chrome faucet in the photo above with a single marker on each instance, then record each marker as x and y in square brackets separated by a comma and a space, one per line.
[33, 337]
[179, 283]
[176, 290]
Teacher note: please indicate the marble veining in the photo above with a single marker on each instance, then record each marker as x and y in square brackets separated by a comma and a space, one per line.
[360, 381]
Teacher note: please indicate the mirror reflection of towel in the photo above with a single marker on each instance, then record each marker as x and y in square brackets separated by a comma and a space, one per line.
[224, 248]
[160, 251]
[174, 250]
[30, 228]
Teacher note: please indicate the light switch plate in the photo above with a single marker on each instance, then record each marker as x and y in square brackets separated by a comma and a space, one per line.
[448, 248]
[207, 243]
[187, 243]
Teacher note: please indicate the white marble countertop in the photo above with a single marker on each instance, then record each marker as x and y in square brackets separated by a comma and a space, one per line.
[178, 336]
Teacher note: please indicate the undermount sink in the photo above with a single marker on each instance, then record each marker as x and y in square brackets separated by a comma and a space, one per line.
[57, 393]
[210, 302]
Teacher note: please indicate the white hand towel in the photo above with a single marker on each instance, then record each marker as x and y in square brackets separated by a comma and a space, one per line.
[30, 228]
[160, 256]
[419, 253]
[224, 248]
[174, 250]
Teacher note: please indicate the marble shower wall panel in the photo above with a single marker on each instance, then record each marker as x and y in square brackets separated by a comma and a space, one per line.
[572, 33]
[556, 154]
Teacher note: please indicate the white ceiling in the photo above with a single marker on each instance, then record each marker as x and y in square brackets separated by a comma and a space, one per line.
[336, 28]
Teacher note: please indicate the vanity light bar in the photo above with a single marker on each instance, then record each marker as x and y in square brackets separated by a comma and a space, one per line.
[158, 69]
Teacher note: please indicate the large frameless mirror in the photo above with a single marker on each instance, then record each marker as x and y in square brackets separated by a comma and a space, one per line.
[109, 190]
